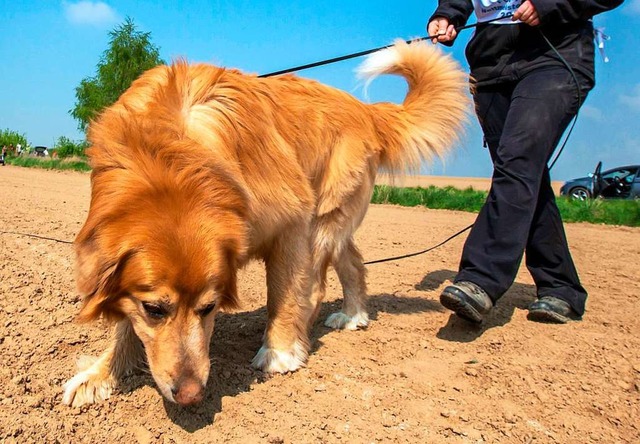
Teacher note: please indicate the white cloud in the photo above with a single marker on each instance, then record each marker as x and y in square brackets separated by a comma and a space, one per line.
[90, 13]
[632, 100]
[592, 113]
[632, 7]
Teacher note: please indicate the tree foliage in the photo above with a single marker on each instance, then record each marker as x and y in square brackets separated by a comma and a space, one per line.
[130, 53]
[66, 147]
[10, 137]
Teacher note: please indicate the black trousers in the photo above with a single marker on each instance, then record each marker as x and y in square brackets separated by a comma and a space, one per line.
[523, 122]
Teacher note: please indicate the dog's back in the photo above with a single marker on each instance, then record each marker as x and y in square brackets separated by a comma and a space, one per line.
[314, 143]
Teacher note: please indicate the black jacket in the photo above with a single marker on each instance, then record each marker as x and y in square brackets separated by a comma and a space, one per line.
[503, 53]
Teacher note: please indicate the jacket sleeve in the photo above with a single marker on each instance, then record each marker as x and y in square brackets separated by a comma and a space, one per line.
[456, 11]
[561, 12]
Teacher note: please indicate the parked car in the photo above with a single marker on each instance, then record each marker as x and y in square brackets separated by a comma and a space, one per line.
[41, 151]
[616, 183]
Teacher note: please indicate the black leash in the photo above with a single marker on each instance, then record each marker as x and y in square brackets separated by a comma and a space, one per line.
[369, 51]
[336, 59]
[37, 237]
[404, 256]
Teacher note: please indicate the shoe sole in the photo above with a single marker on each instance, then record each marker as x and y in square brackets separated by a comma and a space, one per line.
[547, 317]
[457, 304]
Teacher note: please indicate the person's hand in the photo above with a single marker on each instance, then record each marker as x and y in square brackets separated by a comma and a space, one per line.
[527, 13]
[440, 26]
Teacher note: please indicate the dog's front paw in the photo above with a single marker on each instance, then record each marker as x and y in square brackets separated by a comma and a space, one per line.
[341, 321]
[270, 360]
[89, 386]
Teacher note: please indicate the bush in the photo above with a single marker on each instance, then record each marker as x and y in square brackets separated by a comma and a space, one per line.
[9, 137]
[66, 147]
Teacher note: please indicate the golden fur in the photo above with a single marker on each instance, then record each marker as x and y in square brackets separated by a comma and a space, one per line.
[198, 169]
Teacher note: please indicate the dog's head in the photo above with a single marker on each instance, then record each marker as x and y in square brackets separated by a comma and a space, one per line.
[157, 250]
[167, 226]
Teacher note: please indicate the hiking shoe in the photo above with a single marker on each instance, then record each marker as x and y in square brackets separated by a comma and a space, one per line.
[552, 310]
[467, 300]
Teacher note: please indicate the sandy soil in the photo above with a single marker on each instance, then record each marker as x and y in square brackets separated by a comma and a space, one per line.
[416, 375]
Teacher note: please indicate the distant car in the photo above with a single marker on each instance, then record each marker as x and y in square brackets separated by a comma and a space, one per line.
[616, 183]
[41, 151]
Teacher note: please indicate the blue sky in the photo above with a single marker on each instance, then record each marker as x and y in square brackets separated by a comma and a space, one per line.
[46, 48]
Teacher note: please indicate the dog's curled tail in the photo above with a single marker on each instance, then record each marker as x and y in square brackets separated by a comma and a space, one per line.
[434, 110]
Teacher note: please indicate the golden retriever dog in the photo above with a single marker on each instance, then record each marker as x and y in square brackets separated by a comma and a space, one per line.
[198, 169]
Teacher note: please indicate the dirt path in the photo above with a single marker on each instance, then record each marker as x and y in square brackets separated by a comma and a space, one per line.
[416, 375]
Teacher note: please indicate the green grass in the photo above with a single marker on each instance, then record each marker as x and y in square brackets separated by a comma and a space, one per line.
[598, 211]
[75, 164]
[447, 198]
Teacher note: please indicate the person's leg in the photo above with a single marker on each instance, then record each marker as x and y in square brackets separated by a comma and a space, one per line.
[466, 297]
[541, 106]
[547, 253]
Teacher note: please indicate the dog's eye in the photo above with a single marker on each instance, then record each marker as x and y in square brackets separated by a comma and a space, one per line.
[206, 310]
[154, 311]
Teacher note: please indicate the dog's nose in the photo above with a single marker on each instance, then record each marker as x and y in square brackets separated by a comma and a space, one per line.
[188, 392]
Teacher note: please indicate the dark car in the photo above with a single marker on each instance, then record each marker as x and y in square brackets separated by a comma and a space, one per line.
[616, 183]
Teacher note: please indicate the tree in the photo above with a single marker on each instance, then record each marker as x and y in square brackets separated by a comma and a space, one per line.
[9, 137]
[130, 53]
[66, 147]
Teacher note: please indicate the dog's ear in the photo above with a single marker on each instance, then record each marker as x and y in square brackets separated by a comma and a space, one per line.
[87, 265]
[98, 279]
[227, 286]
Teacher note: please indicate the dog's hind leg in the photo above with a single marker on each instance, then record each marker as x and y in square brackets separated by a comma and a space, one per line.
[286, 340]
[352, 273]
[97, 378]
[321, 261]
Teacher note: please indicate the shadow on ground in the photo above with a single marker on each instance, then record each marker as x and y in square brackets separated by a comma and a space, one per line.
[457, 329]
[236, 339]
[238, 336]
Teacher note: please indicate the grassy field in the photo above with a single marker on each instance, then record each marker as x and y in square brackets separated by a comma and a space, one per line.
[597, 211]
[72, 163]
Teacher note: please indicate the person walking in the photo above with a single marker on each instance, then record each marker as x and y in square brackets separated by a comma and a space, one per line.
[525, 97]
